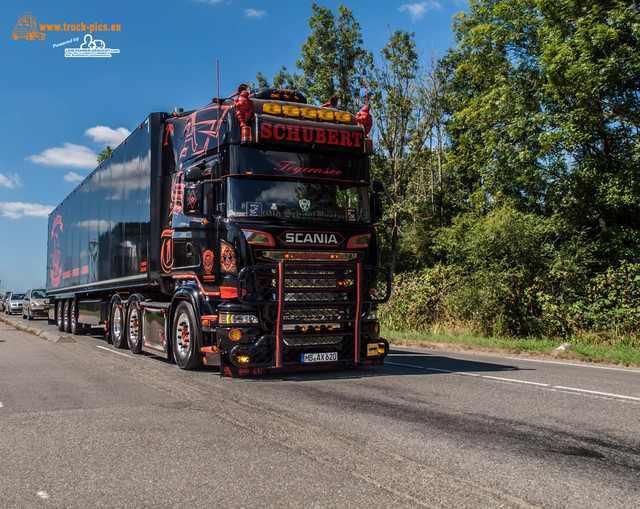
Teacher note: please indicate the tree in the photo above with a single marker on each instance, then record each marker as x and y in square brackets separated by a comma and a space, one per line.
[590, 56]
[333, 60]
[405, 105]
[543, 97]
[494, 97]
[104, 154]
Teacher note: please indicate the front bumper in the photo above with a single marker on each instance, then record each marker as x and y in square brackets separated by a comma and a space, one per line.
[268, 354]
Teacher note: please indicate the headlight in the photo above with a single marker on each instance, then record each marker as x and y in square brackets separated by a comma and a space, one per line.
[237, 319]
[372, 315]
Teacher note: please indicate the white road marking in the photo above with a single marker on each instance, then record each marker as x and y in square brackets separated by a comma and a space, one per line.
[597, 393]
[431, 369]
[543, 361]
[525, 382]
[113, 351]
[42, 494]
[517, 381]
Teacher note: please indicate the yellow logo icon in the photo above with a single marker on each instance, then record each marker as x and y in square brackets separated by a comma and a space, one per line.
[27, 28]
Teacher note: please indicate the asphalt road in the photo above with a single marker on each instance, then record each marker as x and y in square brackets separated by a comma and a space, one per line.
[84, 425]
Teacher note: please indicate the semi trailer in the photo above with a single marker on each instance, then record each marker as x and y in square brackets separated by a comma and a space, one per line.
[241, 234]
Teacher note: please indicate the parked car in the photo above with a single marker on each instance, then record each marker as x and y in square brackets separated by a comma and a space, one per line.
[14, 304]
[3, 301]
[35, 303]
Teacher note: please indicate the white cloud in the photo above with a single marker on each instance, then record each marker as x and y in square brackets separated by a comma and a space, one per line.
[70, 155]
[417, 11]
[253, 13]
[16, 209]
[209, 1]
[106, 135]
[11, 180]
[96, 224]
[72, 176]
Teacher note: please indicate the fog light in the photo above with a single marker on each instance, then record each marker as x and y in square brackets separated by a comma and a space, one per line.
[243, 359]
[235, 335]
[381, 349]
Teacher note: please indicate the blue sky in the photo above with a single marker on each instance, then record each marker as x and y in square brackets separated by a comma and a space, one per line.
[61, 112]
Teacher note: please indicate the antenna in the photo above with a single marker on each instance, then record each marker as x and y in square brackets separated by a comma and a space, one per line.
[218, 99]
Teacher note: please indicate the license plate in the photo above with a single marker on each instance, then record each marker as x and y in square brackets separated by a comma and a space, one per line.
[320, 357]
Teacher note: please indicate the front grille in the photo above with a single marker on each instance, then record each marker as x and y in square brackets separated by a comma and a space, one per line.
[319, 307]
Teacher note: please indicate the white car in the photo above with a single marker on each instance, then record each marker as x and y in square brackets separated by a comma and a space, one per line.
[14, 303]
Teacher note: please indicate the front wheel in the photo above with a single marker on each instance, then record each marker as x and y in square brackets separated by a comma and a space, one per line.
[116, 325]
[186, 338]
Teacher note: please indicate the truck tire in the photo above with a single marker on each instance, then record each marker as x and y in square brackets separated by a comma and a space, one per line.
[66, 317]
[116, 325]
[59, 320]
[186, 337]
[134, 327]
[76, 328]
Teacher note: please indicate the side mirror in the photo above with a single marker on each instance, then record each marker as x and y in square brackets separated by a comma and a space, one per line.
[375, 206]
[193, 174]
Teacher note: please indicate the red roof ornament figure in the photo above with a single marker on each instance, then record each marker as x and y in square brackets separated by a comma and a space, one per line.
[364, 119]
[244, 111]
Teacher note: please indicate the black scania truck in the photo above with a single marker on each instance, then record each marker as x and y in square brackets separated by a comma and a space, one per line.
[240, 234]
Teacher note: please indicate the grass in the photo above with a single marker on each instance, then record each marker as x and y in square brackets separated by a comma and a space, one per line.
[580, 351]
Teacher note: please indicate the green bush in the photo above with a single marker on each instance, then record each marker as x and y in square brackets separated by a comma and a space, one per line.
[513, 274]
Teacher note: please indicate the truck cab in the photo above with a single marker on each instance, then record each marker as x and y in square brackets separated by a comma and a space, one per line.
[293, 279]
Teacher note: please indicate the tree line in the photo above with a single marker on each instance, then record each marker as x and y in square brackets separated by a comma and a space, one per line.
[511, 163]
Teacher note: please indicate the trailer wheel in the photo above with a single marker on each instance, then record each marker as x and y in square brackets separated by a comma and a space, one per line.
[116, 325]
[186, 337]
[59, 320]
[76, 328]
[134, 327]
[66, 319]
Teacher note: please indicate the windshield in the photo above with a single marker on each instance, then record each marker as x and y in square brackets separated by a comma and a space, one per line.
[38, 294]
[17, 296]
[297, 200]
